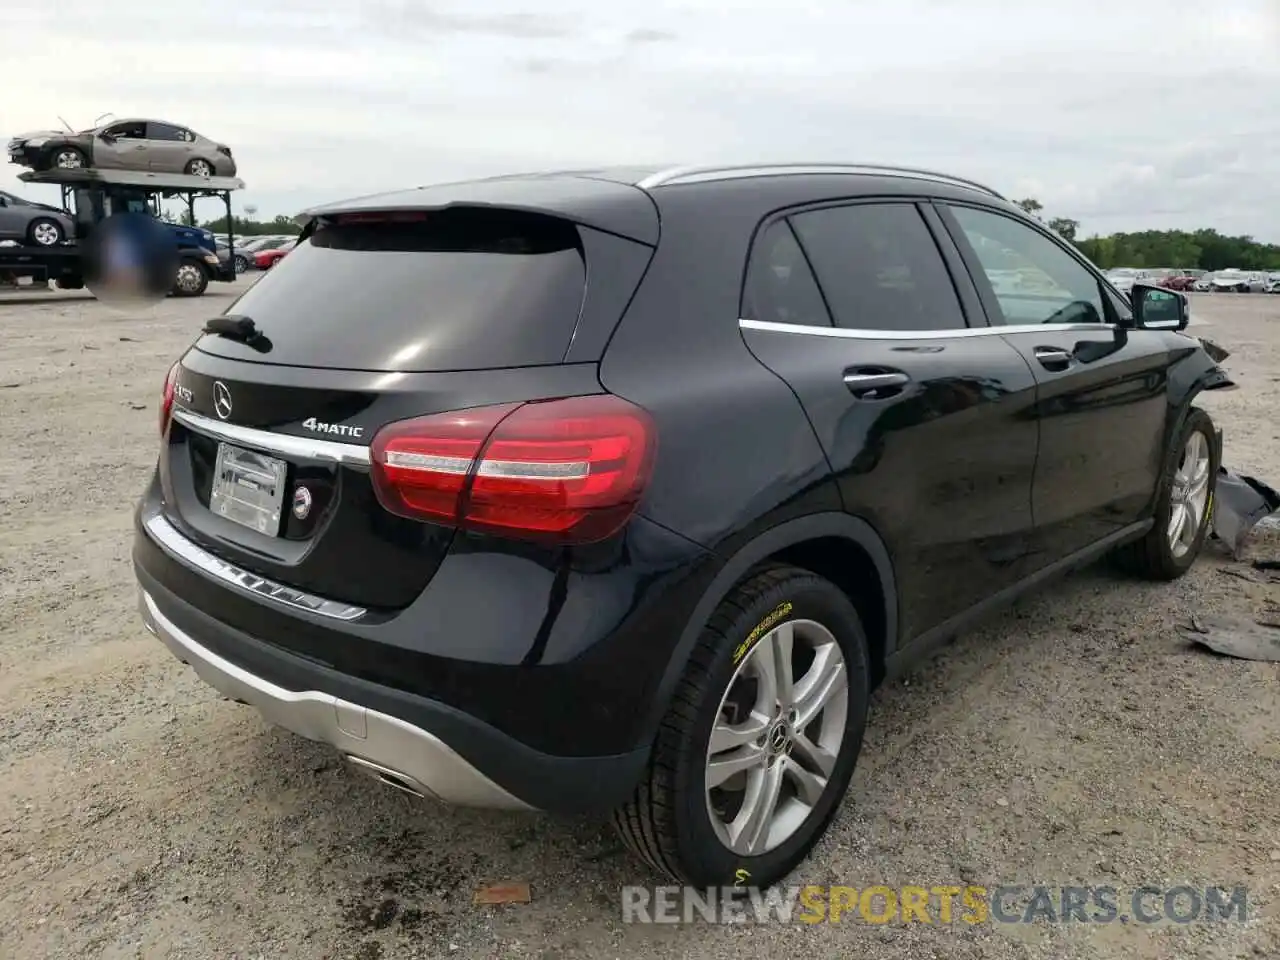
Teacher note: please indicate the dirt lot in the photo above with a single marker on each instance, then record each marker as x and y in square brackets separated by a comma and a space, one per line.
[1073, 740]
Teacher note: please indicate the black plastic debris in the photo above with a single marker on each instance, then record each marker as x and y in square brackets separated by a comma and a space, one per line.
[1239, 504]
[1232, 637]
[1217, 353]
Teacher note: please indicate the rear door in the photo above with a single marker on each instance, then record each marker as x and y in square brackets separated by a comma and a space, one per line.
[266, 458]
[1102, 388]
[924, 418]
[168, 148]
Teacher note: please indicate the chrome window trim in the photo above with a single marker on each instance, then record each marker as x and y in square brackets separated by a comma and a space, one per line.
[843, 333]
[305, 448]
[172, 542]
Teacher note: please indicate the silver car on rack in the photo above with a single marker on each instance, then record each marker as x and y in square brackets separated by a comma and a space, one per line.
[155, 145]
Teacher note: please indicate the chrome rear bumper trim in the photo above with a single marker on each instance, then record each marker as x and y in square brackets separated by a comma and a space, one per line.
[166, 535]
[397, 753]
[305, 448]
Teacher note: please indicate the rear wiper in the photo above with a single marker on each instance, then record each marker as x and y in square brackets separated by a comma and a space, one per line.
[241, 328]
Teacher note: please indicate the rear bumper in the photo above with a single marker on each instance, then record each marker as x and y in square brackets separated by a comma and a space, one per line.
[404, 755]
[436, 750]
[564, 738]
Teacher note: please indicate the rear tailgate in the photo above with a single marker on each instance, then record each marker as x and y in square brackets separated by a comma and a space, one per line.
[266, 456]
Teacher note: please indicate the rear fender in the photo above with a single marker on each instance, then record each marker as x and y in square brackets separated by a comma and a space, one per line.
[768, 544]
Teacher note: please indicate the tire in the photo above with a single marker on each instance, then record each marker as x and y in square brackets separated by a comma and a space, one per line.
[669, 822]
[45, 232]
[242, 264]
[198, 168]
[192, 279]
[67, 158]
[1159, 555]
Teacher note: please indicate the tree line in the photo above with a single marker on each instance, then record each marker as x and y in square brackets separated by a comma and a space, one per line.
[1203, 249]
[1197, 249]
[246, 227]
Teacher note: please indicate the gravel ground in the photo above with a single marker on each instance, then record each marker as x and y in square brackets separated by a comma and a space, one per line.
[1072, 740]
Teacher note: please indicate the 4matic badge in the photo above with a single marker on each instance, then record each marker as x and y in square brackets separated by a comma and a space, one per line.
[340, 429]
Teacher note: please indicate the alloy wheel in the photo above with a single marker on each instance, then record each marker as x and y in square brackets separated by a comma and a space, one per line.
[1189, 495]
[776, 738]
[46, 234]
[68, 160]
[201, 168]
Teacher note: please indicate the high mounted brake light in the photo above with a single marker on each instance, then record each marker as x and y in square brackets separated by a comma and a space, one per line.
[559, 471]
[389, 216]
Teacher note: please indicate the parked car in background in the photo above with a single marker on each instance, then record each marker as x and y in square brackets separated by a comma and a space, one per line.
[1178, 281]
[125, 145]
[268, 258]
[39, 224]
[1231, 281]
[1123, 278]
[249, 247]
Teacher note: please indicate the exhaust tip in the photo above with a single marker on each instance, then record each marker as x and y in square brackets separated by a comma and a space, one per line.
[390, 778]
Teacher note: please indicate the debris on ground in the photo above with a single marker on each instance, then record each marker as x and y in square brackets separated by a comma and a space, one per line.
[1235, 637]
[1240, 504]
[1216, 351]
[503, 893]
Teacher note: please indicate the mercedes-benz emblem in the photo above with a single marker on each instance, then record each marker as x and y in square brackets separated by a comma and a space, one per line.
[301, 503]
[221, 400]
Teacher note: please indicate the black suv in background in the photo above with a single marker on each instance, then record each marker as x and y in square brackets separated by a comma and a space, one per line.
[620, 490]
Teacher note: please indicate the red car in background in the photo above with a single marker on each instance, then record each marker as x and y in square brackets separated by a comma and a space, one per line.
[266, 259]
[1179, 281]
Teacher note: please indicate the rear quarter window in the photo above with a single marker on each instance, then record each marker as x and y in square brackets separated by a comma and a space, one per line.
[459, 289]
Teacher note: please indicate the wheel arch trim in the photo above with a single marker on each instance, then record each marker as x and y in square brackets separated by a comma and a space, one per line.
[792, 533]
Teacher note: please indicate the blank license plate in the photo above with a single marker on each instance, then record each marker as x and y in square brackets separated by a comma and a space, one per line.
[248, 488]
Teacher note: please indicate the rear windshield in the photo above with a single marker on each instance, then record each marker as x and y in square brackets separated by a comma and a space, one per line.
[457, 289]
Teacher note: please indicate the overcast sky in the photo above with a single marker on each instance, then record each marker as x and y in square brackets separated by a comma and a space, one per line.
[1126, 115]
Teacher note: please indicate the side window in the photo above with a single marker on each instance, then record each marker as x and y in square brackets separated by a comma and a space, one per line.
[780, 287]
[128, 130]
[880, 268]
[1034, 279]
[164, 131]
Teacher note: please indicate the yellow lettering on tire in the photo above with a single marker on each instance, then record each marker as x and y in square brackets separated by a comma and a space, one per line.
[763, 627]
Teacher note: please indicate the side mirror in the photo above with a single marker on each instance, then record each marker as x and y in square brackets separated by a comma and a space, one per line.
[1155, 308]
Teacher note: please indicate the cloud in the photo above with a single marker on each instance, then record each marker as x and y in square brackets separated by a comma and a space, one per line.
[1147, 114]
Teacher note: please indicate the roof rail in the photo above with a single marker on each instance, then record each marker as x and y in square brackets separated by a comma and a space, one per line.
[692, 174]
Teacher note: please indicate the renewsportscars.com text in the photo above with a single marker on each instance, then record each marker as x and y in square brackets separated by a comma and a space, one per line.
[1006, 904]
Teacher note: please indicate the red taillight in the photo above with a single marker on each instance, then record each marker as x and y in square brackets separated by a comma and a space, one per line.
[166, 398]
[562, 471]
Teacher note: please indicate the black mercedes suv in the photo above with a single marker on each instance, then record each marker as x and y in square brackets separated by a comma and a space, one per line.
[620, 490]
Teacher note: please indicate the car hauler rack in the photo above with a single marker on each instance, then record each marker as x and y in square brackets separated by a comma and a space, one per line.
[97, 194]
[60, 264]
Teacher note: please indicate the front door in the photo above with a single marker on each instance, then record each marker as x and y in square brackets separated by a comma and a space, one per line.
[1102, 405]
[123, 148]
[925, 419]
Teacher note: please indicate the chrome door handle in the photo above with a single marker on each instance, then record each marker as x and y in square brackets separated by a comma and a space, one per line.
[1054, 357]
[875, 386]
